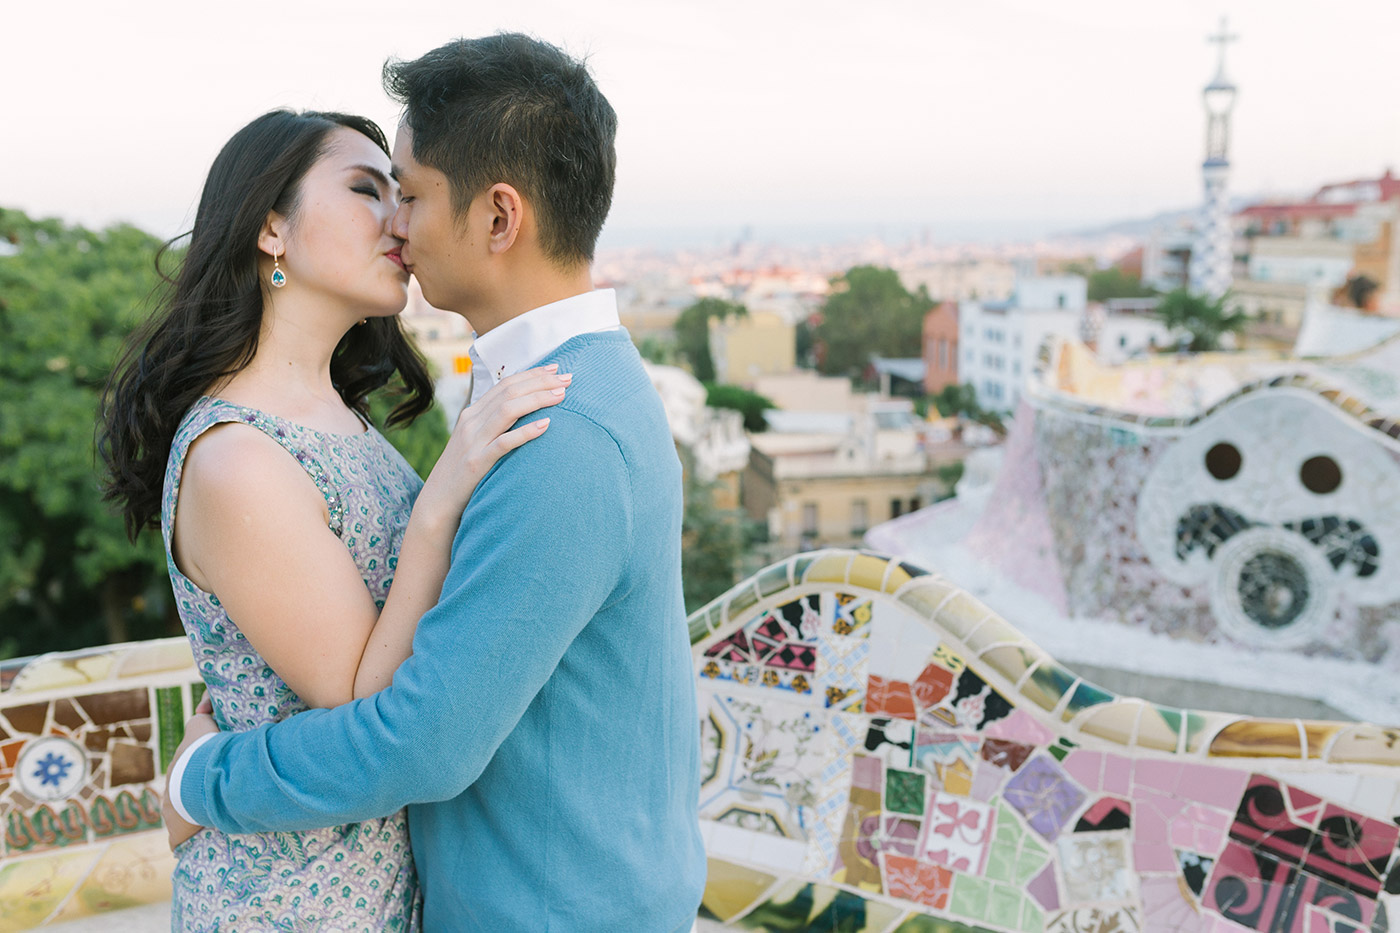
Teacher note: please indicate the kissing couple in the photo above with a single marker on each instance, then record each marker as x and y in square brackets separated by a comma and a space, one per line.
[464, 703]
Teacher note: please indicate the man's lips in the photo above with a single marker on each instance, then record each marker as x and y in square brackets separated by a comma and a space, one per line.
[397, 259]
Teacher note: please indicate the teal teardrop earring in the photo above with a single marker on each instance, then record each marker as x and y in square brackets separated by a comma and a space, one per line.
[279, 278]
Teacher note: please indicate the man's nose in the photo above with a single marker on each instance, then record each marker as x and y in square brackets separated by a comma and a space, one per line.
[398, 224]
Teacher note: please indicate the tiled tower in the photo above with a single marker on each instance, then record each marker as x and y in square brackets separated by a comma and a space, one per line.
[1212, 253]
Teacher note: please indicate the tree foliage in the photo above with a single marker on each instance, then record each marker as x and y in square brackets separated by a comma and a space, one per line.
[693, 333]
[1113, 282]
[750, 404]
[421, 442]
[869, 313]
[68, 297]
[1205, 320]
[69, 576]
[961, 401]
[713, 544]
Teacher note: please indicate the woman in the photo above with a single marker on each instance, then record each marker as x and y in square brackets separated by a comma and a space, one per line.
[238, 417]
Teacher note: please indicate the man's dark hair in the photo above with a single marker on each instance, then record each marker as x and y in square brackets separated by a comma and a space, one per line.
[511, 108]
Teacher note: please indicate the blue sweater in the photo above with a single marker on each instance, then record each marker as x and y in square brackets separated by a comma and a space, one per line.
[544, 732]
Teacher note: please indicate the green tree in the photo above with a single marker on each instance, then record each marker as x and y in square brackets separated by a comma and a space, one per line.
[1206, 320]
[693, 333]
[869, 313]
[713, 544]
[961, 400]
[421, 442]
[1113, 282]
[68, 577]
[750, 404]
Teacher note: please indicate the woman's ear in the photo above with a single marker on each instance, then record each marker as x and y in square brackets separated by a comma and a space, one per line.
[272, 236]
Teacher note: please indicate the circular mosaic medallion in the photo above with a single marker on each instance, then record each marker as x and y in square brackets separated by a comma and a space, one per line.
[1272, 587]
[51, 768]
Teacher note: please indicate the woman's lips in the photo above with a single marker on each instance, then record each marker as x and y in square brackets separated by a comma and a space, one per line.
[398, 260]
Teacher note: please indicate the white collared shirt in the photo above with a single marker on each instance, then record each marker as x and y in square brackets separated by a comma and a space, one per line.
[523, 341]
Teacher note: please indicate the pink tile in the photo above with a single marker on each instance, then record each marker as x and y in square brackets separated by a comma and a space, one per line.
[1215, 787]
[1207, 817]
[1209, 841]
[1117, 775]
[1149, 826]
[1157, 774]
[1183, 834]
[1168, 807]
[1165, 908]
[1085, 767]
[1020, 726]
[1153, 856]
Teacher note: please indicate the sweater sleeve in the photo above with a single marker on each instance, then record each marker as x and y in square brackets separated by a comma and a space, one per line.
[541, 548]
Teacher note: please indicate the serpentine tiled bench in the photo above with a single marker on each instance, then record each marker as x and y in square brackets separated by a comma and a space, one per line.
[880, 752]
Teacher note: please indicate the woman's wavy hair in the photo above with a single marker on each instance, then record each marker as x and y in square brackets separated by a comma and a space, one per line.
[207, 329]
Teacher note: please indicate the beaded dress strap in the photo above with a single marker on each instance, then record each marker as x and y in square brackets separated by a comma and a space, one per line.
[276, 429]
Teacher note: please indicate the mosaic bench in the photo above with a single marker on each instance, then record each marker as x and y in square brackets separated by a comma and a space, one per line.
[880, 752]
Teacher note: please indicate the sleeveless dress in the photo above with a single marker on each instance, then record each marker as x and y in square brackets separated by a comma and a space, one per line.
[356, 877]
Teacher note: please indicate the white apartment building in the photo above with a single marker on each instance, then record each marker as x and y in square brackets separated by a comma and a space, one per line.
[999, 340]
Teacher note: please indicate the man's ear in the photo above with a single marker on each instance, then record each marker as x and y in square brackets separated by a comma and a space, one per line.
[272, 238]
[507, 209]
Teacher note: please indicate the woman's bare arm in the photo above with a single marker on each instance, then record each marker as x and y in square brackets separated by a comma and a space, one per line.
[252, 529]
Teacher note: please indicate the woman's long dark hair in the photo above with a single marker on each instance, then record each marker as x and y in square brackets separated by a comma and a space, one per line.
[208, 328]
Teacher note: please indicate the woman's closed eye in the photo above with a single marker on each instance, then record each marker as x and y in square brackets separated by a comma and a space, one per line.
[371, 190]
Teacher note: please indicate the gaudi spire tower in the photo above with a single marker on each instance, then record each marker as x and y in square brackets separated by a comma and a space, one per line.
[1212, 254]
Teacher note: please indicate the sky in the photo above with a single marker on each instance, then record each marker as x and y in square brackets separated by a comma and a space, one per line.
[995, 119]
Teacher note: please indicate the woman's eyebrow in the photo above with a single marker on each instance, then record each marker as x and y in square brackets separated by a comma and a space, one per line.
[374, 173]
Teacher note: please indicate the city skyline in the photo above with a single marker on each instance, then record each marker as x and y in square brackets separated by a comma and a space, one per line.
[814, 121]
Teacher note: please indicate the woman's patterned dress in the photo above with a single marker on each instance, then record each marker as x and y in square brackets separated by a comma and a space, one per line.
[359, 876]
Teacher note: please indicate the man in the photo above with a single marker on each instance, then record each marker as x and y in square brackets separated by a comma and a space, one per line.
[543, 734]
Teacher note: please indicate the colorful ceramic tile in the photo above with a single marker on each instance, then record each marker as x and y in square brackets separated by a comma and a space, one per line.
[842, 670]
[917, 881]
[891, 740]
[957, 833]
[857, 860]
[1045, 889]
[1165, 907]
[1195, 869]
[1044, 795]
[1005, 753]
[1096, 867]
[769, 765]
[933, 685]
[1096, 920]
[795, 905]
[1021, 727]
[904, 792]
[889, 698]
[852, 616]
[1104, 814]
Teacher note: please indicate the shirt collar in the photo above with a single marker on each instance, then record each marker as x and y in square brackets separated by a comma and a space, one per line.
[524, 340]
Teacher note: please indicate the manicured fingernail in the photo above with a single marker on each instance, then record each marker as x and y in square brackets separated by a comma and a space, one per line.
[541, 424]
[556, 391]
[553, 367]
[566, 378]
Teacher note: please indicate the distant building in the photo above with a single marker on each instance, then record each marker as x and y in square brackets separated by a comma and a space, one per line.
[966, 279]
[759, 344]
[444, 337]
[941, 348]
[824, 478]
[711, 441]
[999, 341]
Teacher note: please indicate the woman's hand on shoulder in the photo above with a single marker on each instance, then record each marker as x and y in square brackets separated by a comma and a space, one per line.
[483, 435]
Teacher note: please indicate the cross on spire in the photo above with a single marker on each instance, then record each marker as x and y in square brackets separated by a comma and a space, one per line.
[1223, 38]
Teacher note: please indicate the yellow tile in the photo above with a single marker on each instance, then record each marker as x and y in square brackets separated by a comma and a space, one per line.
[134, 870]
[30, 888]
[730, 889]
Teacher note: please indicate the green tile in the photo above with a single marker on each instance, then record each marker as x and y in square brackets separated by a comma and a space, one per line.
[1032, 917]
[1006, 906]
[196, 692]
[170, 718]
[1028, 865]
[971, 897]
[1001, 863]
[904, 792]
[1058, 751]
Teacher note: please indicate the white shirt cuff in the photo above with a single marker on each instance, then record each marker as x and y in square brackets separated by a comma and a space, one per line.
[177, 773]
